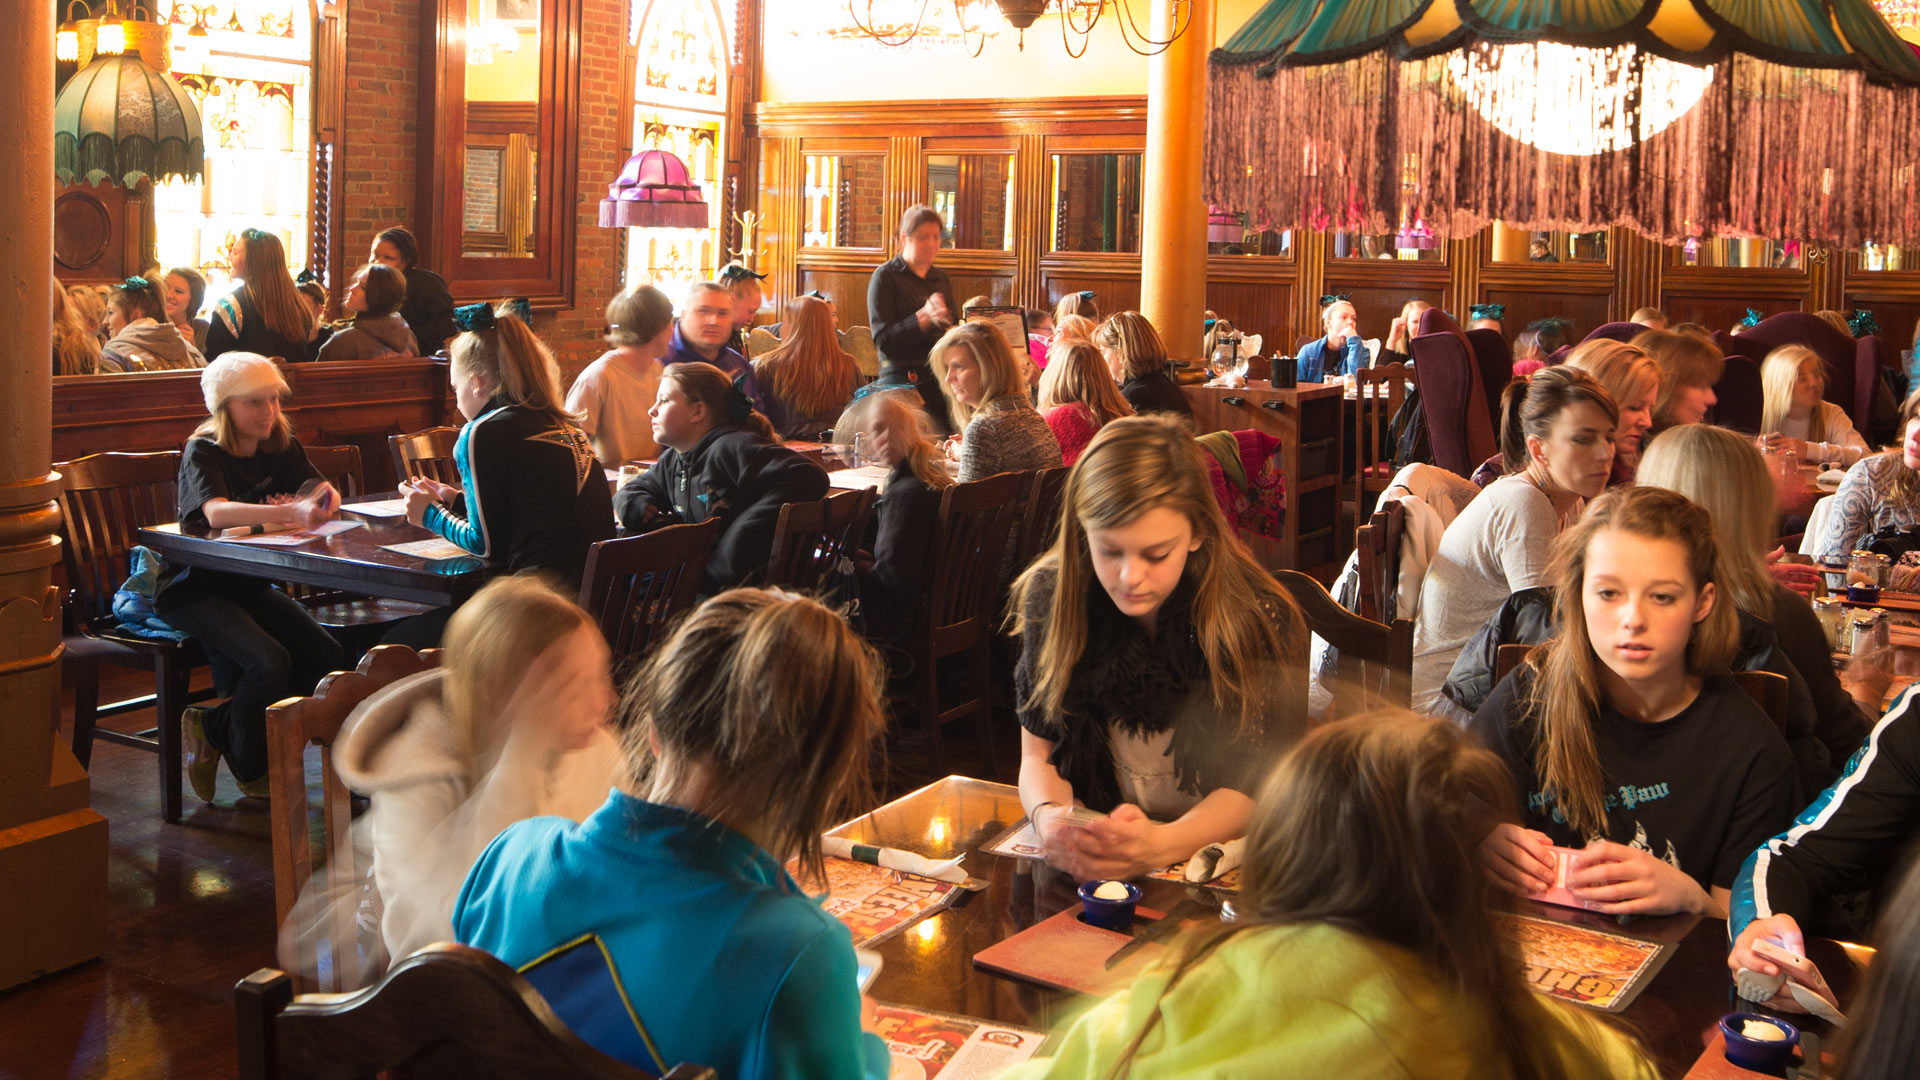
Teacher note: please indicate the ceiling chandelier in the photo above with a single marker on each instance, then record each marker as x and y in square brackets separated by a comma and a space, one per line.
[888, 21]
[1678, 118]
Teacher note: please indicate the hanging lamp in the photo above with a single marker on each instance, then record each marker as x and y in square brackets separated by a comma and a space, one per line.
[119, 120]
[654, 191]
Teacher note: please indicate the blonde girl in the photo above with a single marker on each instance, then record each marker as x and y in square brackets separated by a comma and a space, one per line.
[76, 344]
[1077, 305]
[1078, 397]
[243, 468]
[1137, 359]
[808, 378]
[987, 396]
[1794, 414]
[1398, 348]
[894, 580]
[531, 494]
[1162, 670]
[1365, 942]
[1632, 380]
[511, 725]
[266, 315]
[139, 337]
[1624, 734]
[747, 736]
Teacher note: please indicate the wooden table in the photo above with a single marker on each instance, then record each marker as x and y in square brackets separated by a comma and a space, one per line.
[352, 560]
[1308, 420]
[930, 964]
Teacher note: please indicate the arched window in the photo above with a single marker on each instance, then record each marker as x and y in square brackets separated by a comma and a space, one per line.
[683, 54]
[254, 88]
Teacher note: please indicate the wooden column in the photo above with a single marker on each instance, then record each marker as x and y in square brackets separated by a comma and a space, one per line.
[53, 848]
[1173, 243]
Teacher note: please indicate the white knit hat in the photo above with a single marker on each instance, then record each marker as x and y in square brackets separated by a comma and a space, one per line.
[236, 374]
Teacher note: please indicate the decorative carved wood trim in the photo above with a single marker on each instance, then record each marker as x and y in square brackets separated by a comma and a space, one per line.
[772, 119]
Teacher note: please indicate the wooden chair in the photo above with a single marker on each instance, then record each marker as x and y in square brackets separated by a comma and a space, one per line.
[1379, 393]
[1378, 545]
[1041, 523]
[975, 521]
[636, 586]
[447, 1011]
[293, 725]
[426, 453]
[338, 608]
[812, 537]
[1506, 658]
[106, 500]
[341, 466]
[1380, 655]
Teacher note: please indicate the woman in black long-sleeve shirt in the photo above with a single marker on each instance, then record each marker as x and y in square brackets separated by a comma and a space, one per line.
[909, 305]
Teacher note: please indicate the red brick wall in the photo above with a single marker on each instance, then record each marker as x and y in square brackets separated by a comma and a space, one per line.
[381, 145]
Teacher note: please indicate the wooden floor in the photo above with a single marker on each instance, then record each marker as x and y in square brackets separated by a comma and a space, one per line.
[190, 912]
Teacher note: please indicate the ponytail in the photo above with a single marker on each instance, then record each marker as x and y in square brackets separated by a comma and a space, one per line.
[503, 350]
[1529, 406]
[1513, 437]
[725, 403]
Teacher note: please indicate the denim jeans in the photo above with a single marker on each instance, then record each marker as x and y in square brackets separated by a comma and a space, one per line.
[262, 646]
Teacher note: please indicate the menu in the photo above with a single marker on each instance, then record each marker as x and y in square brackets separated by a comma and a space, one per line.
[877, 903]
[1585, 966]
[925, 1044]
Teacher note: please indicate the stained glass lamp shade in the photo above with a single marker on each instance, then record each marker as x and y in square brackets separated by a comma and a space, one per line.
[119, 120]
[654, 192]
[1679, 118]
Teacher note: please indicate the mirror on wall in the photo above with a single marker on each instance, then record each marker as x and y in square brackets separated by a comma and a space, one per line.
[1726, 251]
[974, 194]
[1096, 202]
[842, 200]
[1542, 246]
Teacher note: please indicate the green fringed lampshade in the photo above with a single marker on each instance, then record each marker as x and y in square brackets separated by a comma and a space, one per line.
[1792, 119]
[119, 120]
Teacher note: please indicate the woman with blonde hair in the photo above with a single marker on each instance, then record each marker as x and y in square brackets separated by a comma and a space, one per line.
[266, 314]
[808, 378]
[1077, 305]
[139, 337]
[1162, 671]
[987, 396]
[747, 736]
[76, 345]
[90, 307]
[1723, 473]
[1137, 359]
[1880, 494]
[1078, 397]
[1633, 696]
[531, 495]
[1074, 328]
[1398, 348]
[1364, 942]
[1689, 368]
[894, 579]
[1794, 414]
[613, 394]
[510, 726]
[1632, 380]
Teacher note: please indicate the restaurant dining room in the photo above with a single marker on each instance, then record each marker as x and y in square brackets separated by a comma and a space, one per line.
[1081, 539]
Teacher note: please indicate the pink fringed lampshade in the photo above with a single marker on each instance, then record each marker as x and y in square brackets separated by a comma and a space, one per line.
[1224, 226]
[654, 192]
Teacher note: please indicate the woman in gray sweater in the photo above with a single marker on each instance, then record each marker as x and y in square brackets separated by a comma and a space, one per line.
[987, 392]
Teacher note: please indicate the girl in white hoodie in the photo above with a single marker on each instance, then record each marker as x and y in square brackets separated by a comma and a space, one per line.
[452, 756]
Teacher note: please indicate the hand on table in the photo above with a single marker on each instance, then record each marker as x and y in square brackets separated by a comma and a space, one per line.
[1777, 441]
[1519, 860]
[1125, 844]
[440, 491]
[1615, 879]
[1803, 578]
[1783, 934]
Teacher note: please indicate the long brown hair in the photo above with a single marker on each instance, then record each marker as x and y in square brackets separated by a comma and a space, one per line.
[1138, 343]
[1723, 472]
[1000, 373]
[708, 385]
[270, 287]
[490, 641]
[1076, 374]
[1903, 486]
[1530, 406]
[1684, 360]
[513, 361]
[1137, 464]
[1371, 824]
[779, 699]
[1881, 1041]
[1566, 695]
[76, 346]
[808, 368]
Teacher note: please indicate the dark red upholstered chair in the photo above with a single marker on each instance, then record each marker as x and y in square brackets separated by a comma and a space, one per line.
[1838, 349]
[1616, 331]
[1496, 366]
[1740, 396]
[1447, 373]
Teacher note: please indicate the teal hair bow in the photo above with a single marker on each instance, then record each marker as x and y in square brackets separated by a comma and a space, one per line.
[1496, 312]
[306, 276]
[474, 318]
[1336, 298]
[1085, 294]
[135, 283]
[1751, 318]
[1863, 324]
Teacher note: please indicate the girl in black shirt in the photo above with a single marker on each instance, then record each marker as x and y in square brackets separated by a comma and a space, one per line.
[1138, 359]
[267, 314]
[244, 467]
[1625, 733]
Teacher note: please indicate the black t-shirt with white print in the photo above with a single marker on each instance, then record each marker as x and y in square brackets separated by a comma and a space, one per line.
[1701, 790]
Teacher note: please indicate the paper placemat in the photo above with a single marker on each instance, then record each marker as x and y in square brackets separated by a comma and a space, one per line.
[435, 549]
[928, 1044]
[292, 537]
[877, 903]
[379, 508]
[1579, 964]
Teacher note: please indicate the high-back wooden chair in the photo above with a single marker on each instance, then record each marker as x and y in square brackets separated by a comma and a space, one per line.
[448, 1012]
[975, 521]
[1378, 394]
[634, 587]
[1376, 661]
[1506, 658]
[339, 608]
[1378, 545]
[293, 725]
[341, 466]
[104, 503]
[426, 453]
[810, 538]
[1045, 495]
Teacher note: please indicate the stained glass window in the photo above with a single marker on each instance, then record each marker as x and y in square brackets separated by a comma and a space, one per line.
[253, 87]
[680, 105]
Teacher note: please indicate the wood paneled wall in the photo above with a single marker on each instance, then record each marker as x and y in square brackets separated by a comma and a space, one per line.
[1276, 297]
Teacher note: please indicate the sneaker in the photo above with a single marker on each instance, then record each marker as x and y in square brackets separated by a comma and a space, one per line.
[203, 760]
[257, 788]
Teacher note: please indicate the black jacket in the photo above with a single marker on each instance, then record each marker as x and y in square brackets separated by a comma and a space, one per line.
[1528, 618]
[1156, 393]
[236, 326]
[734, 475]
[894, 583]
[428, 310]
